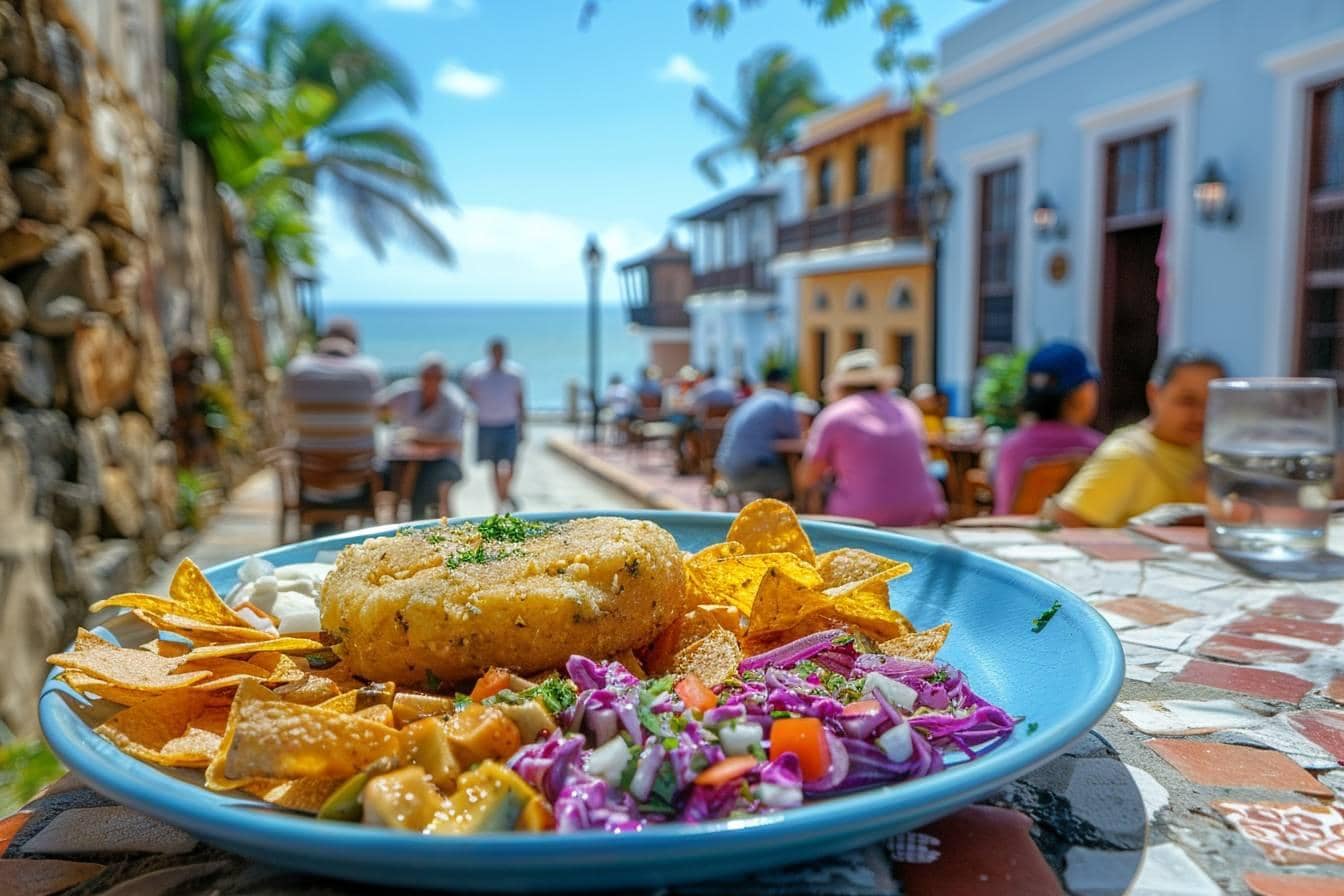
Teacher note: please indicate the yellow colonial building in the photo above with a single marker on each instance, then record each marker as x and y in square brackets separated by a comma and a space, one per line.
[858, 252]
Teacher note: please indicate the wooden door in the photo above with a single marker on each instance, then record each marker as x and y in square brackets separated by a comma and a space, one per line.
[1320, 303]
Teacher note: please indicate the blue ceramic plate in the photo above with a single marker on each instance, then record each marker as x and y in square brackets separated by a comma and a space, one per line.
[1062, 679]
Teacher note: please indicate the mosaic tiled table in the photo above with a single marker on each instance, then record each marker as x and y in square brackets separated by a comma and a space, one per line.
[1219, 769]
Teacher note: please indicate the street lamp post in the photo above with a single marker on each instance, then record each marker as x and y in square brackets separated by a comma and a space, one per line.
[935, 199]
[592, 262]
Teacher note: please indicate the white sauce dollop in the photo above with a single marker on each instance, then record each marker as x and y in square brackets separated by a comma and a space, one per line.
[290, 593]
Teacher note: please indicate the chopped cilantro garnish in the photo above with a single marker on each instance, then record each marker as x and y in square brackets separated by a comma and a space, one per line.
[670, 743]
[842, 640]
[557, 693]
[780, 714]
[461, 702]
[1040, 622]
[655, 686]
[938, 677]
[678, 723]
[406, 530]
[477, 554]
[434, 537]
[648, 718]
[1031, 727]
[509, 528]
[758, 751]
[432, 682]
[833, 681]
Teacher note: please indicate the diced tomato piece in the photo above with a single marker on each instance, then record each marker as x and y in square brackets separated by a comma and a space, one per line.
[491, 683]
[861, 707]
[695, 694]
[726, 770]
[806, 739]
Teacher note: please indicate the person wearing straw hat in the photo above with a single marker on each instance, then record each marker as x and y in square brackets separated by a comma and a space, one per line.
[872, 444]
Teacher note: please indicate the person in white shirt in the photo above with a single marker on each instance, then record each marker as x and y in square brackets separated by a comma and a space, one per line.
[619, 399]
[496, 386]
[428, 414]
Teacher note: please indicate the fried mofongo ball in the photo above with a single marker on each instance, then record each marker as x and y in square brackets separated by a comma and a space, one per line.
[447, 603]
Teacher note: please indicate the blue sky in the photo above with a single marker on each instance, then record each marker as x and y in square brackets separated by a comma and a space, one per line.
[544, 133]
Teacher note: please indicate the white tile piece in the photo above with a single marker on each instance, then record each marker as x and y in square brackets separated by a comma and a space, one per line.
[1116, 621]
[1040, 552]
[1174, 663]
[1335, 781]
[986, 538]
[1166, 637]
[1142, 655]
[1141, 673]
[1168, 871]
[1162, 718]
[1275, 734]
[1154, 795]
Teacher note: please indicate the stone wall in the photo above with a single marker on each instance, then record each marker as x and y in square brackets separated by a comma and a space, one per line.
[117, 256]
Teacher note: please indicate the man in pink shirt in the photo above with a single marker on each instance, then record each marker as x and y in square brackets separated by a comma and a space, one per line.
[873, 445]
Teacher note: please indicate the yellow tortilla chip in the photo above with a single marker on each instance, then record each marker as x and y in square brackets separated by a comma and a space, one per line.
[303, 795]
[96, 687]
[850, 566]
[688, 628]
[268, 738]
[160, 731]
[381, 713]
[918, 645]
[713, 659]
[344, 703]
[197, 598]
[135, 670]
[782, 602]
[164, 647]
[311, 690]
[868, 609]
[734, 580]
[200, 632]
[248, 692]
[768, 526]
[244, 649]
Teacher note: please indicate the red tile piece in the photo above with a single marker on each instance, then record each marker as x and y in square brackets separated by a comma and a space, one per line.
[1300, 606]
[1323, 727]
[1289, 833]
[1196, 538]
[1305, 629]
[1121, 553]
[1262, 884]
[1225, 765]
[983, 851]
[1145, 610]
[11, 826]
[1250, 651]
[1257, 682]
[1334, 690]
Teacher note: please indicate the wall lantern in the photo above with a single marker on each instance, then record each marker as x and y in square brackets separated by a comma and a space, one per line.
[1045, 219]
[1212, 197]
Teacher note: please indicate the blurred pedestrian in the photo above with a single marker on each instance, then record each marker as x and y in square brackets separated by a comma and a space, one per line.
[496, 385]
[428, 414]
[746, 457]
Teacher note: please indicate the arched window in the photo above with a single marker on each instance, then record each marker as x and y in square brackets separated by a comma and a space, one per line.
[858, 299]
[901, 298]
[821, 301]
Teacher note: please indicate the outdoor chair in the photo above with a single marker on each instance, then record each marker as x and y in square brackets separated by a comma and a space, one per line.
[1042, 479]
[305, 475]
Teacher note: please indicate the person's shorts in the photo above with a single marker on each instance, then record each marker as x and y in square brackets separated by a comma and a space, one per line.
[496, 443]
[425, 494]
[768, 480]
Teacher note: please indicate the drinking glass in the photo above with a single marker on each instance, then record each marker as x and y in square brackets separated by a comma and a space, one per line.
[1269, 448]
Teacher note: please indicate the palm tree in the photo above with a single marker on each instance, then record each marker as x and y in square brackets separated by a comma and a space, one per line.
[775, 90]
[381, 174]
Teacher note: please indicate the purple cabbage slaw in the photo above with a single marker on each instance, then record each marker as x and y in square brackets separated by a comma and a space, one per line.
[667, 745]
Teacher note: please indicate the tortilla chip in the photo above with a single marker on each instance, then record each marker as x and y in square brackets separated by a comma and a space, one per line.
[130, 669]
[768, 526]
[159, 731]
[688, 628]
[698, 588]
[782, 602]
[281, 645]
[849, 566]
[164, 647]
[868, 608]
[200, 632]
[303, 795]
[713, 659]
[268, 738]
[197, 598]
[311, 690]
[918, 645]
[382, 714]
[96, 687]
[344, 703]
[734, 580]
[248, 691]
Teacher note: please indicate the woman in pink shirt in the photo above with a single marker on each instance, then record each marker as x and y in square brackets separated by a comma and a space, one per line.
[1061, 399]
[874, 446]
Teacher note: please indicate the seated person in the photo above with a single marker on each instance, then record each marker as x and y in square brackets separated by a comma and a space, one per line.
[933, 405]
[428, 414]
[649, 389]
[619, 399]
[712, 396]
[874, 446]
[746, 457]
[329, 395]
[1156, 461]
[1061, 399]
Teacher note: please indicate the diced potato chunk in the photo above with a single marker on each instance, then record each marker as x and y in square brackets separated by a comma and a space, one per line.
[381, 714]
[378, 694]
[428, 746]
[408, 707]
[482, 732]
[532, 719]
[489, 798]
[405, 799]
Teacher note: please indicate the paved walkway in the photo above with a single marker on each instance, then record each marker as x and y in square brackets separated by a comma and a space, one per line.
[249, 520]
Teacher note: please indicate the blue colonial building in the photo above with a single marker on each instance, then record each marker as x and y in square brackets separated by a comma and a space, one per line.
[1140, 175]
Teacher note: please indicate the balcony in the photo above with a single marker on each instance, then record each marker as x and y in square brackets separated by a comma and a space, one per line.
[891, 216]
[658, 315]
[751, 277]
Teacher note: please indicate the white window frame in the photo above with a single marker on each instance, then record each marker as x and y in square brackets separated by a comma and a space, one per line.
[1296, 70]
[1171, 107]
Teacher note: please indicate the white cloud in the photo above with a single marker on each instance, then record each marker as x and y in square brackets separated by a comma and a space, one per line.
[457, 79]
[410, 5]
[680, 67]
[451, 7]
[503, 254]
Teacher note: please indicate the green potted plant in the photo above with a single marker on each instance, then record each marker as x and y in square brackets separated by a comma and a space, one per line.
[998, 394]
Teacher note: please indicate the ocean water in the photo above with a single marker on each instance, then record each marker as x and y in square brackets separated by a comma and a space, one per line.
[550, 340]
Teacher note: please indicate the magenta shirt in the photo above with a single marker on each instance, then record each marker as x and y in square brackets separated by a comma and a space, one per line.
[875, 446]
[1039, 440]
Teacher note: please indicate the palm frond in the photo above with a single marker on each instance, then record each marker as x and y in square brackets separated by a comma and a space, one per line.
[380, 216]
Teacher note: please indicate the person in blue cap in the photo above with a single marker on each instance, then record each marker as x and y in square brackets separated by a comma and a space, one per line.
[1061, 401]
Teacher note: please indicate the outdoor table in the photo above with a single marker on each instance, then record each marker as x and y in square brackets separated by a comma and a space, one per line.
[1217, 771]
[410, 456]
[962, 456]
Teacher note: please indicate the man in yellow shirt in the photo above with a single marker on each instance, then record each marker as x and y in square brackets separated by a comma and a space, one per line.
[1157, 461]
